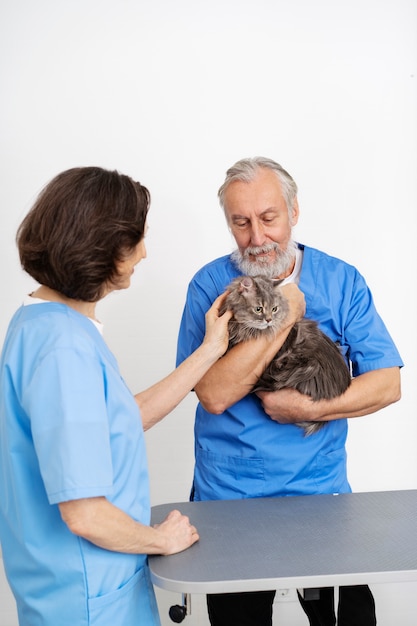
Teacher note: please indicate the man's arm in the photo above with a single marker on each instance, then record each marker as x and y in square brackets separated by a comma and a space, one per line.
[233, 376]
[367, 394]
[99, 521]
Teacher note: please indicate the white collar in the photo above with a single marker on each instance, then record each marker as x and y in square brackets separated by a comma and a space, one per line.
[294, 277]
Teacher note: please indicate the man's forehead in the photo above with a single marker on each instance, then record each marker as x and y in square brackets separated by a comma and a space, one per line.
[261, 212]
[264, 190]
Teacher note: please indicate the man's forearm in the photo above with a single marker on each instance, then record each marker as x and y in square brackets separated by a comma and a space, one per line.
[367, 394]
[234, 375]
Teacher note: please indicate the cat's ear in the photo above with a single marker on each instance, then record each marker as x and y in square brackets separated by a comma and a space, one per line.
[276, 282]
[245, 285]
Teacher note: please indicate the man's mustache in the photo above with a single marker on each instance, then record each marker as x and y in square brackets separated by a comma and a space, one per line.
[255, 250]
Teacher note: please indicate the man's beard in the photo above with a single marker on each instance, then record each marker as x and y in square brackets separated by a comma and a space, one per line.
[263, 267]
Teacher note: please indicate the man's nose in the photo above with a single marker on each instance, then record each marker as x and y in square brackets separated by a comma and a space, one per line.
[257, 234]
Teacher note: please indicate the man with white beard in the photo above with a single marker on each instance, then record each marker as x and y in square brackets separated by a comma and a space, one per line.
[248, 445]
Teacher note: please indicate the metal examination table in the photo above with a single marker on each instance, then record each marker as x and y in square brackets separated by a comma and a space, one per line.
[295, 542]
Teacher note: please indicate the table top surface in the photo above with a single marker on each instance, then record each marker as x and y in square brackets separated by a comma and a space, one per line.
[293, 542]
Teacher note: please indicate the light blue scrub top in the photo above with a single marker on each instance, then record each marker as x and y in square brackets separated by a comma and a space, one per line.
[69, 428]
[242, 453]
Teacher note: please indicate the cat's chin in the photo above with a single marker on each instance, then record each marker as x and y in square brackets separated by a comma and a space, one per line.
[266, 327]
[264, 324]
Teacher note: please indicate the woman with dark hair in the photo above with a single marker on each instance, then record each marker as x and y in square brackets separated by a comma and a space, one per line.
[74, 496]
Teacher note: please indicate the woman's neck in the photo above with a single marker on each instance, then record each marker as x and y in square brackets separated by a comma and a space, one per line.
[85, 308]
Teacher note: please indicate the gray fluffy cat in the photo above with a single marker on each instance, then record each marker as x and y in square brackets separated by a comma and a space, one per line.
[308, 360]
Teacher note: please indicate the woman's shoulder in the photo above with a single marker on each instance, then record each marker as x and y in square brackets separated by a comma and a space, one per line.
[51, 324]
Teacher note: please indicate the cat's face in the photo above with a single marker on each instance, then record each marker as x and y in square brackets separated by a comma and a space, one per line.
[257, 303]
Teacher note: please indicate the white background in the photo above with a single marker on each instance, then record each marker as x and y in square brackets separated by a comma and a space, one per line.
[173, 93]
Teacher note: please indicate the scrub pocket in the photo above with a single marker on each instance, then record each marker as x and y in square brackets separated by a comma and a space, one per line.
[134, 604]
[330, 472]
[227, 477]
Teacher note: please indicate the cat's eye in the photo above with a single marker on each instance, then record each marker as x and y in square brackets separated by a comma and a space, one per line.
[258, 309]
[274, 309]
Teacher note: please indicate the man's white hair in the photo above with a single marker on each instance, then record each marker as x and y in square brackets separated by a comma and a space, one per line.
[246, 170]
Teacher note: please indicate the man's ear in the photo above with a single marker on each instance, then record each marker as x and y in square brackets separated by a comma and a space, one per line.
[295, 212]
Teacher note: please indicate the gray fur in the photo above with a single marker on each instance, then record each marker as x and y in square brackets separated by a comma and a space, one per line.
[308, 360]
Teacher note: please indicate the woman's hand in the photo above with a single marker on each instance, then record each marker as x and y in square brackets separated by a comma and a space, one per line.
[217, 333]
[177, 533]
[160, 399]
[99, 521]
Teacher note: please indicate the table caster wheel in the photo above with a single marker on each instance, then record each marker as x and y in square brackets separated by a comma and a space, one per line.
[177, 613]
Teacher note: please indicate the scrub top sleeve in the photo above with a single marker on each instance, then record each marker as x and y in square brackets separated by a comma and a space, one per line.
[370, 344]
[66, 405]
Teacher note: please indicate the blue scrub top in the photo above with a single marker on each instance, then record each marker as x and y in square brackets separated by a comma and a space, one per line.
[242, 453]
[69, 428]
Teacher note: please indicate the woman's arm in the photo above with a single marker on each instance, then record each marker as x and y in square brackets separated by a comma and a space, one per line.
[99, 521]
[160, 399]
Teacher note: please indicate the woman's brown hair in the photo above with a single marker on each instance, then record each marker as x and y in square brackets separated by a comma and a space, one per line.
[83, 222]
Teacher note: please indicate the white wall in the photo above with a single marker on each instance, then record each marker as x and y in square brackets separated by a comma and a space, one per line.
[172, 93]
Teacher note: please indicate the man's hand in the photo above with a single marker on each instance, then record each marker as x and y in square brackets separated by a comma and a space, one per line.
[288, 406]
[296, 302]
